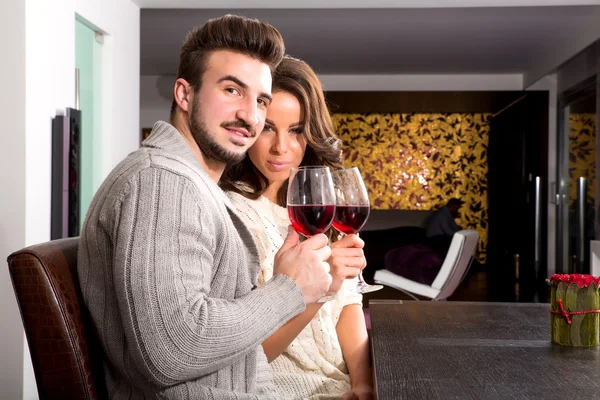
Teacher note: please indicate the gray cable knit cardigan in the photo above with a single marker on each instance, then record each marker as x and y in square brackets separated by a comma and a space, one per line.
[168, 273]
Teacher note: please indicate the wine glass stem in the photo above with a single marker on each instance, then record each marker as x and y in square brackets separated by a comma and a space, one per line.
[361, 280]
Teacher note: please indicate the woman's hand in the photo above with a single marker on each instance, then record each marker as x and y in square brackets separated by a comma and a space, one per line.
[346, 261]
[359, 393]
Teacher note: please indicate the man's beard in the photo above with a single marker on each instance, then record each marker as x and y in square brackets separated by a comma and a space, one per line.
[208, 145]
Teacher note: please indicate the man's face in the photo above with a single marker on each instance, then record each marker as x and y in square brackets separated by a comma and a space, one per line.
[229, 110]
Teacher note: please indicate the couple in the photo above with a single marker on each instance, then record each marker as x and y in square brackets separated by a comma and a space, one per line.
[194, 290]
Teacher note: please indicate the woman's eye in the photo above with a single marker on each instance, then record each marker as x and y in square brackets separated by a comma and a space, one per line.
[268, 128]
[297, 131]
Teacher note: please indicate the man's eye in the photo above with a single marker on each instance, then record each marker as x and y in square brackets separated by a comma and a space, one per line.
[232, 90]
[262, 102]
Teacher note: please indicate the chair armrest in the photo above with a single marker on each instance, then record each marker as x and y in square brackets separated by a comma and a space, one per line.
[388, 278]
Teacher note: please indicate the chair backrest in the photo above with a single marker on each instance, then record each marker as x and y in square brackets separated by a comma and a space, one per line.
[456, 264]
[64, 350]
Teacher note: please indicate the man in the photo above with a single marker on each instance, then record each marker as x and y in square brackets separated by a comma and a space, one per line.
[167, 270]
[441, 226]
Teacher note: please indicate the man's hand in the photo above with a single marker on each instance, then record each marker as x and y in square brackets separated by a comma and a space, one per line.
[305, 263]
[346, 261]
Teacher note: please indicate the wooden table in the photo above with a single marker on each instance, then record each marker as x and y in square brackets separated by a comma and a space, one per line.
[460, 350]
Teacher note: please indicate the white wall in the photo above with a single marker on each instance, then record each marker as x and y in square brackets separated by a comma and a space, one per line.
[156, 91]
[49, 86]
[38, 39]
[12, 182]
[549, 83]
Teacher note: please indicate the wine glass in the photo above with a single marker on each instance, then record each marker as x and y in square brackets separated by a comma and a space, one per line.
[351, 211]
[311, 203]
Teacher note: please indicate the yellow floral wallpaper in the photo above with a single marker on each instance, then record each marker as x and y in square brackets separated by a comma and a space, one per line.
[582, 153]
[419, 161]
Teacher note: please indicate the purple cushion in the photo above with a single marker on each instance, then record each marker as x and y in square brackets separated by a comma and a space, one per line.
[416, 262]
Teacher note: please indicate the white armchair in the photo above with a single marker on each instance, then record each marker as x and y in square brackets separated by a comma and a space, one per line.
[453, 270]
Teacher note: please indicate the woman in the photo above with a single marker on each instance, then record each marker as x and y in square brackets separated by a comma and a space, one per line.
[323, 352]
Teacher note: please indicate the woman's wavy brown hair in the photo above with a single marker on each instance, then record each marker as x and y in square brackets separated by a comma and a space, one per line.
[323, 147]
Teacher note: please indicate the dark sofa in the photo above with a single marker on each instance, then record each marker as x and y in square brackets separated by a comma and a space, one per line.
[389, 229]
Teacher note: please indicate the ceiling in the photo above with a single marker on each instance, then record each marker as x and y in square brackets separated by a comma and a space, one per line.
[247, 4]
[489, 40]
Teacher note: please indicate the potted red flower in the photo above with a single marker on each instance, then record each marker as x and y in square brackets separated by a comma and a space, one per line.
[574, 308]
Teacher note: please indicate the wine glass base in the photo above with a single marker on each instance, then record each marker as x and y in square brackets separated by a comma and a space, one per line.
[366, 288]
[328, 297]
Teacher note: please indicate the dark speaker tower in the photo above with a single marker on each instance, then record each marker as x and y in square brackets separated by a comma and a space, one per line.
[66, 170]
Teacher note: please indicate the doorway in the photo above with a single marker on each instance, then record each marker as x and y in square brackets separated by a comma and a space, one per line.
[88, 64]
[517, 200]
[576, 191]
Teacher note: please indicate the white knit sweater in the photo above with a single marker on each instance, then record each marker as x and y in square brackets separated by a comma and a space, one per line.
[312, 367]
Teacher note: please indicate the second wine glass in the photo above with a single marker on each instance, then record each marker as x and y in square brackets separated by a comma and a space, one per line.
[351, 211]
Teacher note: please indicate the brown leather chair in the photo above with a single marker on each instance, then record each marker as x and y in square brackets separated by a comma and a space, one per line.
[64, 351]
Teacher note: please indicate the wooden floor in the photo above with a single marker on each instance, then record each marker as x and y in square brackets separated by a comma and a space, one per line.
[473, 288]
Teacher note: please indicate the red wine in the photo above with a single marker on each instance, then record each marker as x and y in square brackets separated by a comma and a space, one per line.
[349, 219]
[310, 219]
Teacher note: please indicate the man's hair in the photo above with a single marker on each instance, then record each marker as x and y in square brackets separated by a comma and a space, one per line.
[235, 33]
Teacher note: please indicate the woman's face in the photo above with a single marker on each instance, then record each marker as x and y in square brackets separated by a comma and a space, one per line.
[281, 145]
